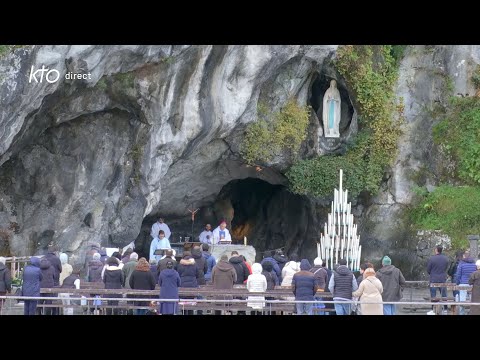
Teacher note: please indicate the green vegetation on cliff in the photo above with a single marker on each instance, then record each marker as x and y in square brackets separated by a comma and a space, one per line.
[453, 209]
[275, 131]
[456, 209]
[459, 136]
[370, 73]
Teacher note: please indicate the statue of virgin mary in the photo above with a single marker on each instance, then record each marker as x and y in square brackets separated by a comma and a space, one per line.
[331, 111]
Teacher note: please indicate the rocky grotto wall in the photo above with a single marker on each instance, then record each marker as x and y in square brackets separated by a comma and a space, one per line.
[158, 129]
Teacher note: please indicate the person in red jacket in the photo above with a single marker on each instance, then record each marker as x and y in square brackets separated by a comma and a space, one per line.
[249, 267]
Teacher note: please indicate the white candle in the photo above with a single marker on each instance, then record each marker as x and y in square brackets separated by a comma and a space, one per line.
[359, 253]
[346, 198]
[245, 240]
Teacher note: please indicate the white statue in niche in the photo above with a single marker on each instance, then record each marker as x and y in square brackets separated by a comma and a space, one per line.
[331, 111]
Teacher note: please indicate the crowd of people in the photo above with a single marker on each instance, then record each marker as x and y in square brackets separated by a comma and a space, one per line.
[375, 292]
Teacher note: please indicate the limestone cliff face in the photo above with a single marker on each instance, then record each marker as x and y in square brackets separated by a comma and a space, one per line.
[429, 76]
[157, 129]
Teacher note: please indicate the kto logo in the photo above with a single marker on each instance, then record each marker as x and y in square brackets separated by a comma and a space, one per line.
[51, 75]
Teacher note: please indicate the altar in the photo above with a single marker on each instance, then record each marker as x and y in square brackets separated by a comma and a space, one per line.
[246, 250]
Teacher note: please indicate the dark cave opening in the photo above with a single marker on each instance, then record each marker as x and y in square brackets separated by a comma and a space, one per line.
[270, 216]
[249, 198]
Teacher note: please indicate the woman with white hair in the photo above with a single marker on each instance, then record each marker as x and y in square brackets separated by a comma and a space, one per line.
[370, 291]
[290, 269]
[67, 269]
[256, 282]
[475, 281]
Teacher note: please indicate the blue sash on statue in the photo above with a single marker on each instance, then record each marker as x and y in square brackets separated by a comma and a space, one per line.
[331, 113]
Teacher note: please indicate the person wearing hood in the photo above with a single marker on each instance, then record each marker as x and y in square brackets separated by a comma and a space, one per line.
[169, 281]
[269, 257]
[223, 277]
[393, 283]
[48, 281]
[5, 280]
[270, 275]
[224, 274]
[141, 279]
[466, 267]
[475, 281]
[56, 264]
[201, 264]
[67, 269]
[256, 282]
[304, 287]
[281, 259]
[342, 284]
[113, 279]
[290, 269]
[370, 291]
[211, 262]
[32, 276]
[240, 267]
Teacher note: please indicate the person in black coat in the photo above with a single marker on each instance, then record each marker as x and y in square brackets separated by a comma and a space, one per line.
[113, 279]
[188, 271]
[56, 264]
[452, 270]
[5, 280]
[189, 274]
[280, 258]
[270, 275]
[48, 281]
[240, 268]
[201, 263]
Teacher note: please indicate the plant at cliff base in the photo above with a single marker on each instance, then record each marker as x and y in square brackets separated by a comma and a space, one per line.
[455, 210]
[273, 132]
[459, 136]
[370, 72]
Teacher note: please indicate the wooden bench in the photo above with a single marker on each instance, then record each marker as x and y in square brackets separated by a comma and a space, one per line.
[206, 292]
